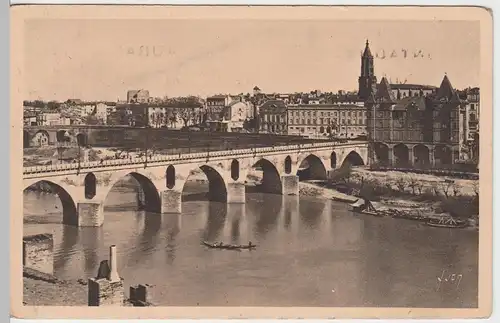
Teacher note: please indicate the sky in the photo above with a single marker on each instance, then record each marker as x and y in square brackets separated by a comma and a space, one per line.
[100, 59]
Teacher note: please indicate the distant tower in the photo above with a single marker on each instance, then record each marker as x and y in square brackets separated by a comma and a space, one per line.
[367, 80]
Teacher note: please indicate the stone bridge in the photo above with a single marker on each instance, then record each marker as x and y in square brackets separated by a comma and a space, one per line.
[83, 187]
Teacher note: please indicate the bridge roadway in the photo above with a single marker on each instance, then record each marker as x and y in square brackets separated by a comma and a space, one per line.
[82, 187]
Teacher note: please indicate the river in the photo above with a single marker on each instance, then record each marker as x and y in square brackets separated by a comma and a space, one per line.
[311, 252]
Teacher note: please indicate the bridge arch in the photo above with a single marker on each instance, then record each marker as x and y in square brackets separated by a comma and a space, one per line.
[381, 152]
[401, 155]
[90, 185]
[217, 186]
[62, 136]
[353, 158]
[82, 139]
[443, 155]
[148, 198]
[69, 210]
[170, 176]
[41, 138]
[311, 167]
[271, 177]
[422, 155]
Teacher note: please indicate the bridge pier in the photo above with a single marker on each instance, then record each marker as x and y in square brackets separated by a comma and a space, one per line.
[235, 193]
[171, 201]
[290, 185]
[90, 214]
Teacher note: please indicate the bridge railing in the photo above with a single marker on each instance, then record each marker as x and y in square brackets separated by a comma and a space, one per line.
[165, 158]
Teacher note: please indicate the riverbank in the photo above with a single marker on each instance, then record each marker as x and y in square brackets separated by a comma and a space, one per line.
[38, 291]
[396, 207]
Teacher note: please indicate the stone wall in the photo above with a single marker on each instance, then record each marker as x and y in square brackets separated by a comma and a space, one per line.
[38, 252]
[104, 292]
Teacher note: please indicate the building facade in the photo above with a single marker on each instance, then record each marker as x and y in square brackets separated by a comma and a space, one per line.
[273, 117]
[341, 120]
[418, 130]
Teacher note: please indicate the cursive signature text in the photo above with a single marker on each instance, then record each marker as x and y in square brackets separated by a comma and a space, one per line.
[449, 279]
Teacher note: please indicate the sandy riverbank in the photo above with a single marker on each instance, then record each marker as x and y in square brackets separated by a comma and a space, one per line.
[38, 292]
[46, 290]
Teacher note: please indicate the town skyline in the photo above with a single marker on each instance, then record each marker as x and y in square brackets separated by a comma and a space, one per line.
[110, 67]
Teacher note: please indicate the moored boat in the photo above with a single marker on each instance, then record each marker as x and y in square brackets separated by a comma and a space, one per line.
[365, 207]
[446, 222]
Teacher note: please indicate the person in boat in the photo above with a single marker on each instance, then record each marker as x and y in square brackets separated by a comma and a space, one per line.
[250, 244]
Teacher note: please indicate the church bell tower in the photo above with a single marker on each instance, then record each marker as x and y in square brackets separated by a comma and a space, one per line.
[367, 80]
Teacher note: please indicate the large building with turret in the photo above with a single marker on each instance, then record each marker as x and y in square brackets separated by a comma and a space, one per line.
[418, 125]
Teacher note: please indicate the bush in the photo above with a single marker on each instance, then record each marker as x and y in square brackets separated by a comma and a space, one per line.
[460, 206]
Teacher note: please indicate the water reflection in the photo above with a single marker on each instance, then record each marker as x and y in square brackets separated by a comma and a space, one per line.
[172, 228]
[90, 239]
[290, 211]
[216, 218]
[235, 216]
[148, 239]
[268, 215]
[69, 241]
[311, 213]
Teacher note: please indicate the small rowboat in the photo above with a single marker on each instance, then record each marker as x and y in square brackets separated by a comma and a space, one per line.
[446, 222]
[228, 246]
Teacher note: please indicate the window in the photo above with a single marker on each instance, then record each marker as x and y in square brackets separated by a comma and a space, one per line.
[335, 114]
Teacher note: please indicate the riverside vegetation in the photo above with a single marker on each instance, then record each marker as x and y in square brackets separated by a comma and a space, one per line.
[427, 194]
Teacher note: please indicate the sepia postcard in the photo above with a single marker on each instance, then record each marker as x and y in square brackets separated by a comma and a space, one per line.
[251, 162]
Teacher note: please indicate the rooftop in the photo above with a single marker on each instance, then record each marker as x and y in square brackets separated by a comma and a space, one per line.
[407, 86]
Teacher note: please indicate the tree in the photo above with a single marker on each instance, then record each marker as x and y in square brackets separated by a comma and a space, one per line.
[401, 183]
[413, 183]
[171, 117]
[188, 115]
[445, 187]
[419, 186]
[92, 120]
[53, 105]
